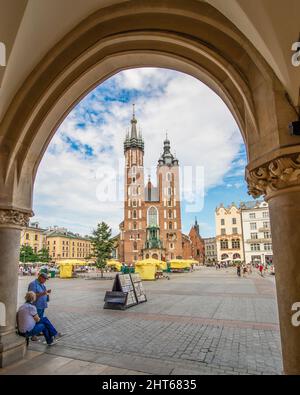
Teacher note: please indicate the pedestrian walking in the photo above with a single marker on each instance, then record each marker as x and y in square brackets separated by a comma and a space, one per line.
[261, 268]
[238, 270]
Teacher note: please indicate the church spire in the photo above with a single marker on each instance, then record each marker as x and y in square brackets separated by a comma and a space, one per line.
[133, 140]
[196, 226]
[167, 158]
[133, 124]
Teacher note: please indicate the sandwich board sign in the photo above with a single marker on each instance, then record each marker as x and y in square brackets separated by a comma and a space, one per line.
[127, 291]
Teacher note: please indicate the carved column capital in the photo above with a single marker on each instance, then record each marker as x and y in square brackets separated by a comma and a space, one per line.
[14, 218]
[274, 176]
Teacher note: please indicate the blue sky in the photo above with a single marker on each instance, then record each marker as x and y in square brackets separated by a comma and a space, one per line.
[80, 178]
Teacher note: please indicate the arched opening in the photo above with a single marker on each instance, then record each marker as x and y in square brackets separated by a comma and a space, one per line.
[192, 38]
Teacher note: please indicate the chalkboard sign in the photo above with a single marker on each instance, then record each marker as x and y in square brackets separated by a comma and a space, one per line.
[127, 291]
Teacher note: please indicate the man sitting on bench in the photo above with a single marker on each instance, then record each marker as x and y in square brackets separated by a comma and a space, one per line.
[30, 324]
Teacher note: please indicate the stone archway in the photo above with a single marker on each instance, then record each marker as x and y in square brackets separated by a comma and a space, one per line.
[187, 36]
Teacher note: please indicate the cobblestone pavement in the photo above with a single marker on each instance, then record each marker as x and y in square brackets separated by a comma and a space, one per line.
[204, 322]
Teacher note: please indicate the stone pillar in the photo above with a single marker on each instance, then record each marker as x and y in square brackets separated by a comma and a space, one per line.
[279, 181]
[12, 347]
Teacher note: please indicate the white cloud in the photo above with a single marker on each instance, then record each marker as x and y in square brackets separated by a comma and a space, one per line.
[201, 130]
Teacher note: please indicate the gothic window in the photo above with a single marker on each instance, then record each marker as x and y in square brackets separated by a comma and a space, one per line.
[170, 225]
[134, 214]
[135, 246]
[169, 177]
[152, 216]
[134, 226]
[134, 203]
[170, 213]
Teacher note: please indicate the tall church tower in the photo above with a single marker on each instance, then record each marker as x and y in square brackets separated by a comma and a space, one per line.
[169, 196]
[134, 234]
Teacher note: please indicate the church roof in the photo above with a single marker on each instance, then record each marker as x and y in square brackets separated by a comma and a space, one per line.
[151, 194]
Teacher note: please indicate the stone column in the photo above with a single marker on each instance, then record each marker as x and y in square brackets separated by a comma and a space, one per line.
[12, 347]
[279, 181]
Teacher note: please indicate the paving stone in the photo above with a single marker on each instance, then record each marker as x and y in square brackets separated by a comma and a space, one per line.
[205, 321]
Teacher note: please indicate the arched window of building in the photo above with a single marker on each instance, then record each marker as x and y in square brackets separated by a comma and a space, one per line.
[135, 246]
[236, 256]
[134, 214]
[170, 225]
[152, 216]
[170, 213]
[224, 256]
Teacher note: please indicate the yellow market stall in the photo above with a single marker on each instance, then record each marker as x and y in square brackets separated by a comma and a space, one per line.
[147, 268]
[180, 264]
[67, 267]
[66, 270]
[163, 265]
[116, 265]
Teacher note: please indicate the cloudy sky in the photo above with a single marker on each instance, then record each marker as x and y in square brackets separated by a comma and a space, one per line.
[80, 179]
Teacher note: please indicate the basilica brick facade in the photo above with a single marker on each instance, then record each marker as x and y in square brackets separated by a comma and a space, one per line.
[152, 214]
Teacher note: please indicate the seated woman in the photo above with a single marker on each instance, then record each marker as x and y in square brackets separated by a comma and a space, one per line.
[30, 324]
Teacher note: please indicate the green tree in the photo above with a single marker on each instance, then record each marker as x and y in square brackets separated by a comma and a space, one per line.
[102, 245]
[27, 254]
[43, 255]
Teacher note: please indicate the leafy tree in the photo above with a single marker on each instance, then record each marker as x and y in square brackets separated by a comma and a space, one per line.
[102, 245]
[43, 255]
[27, 254]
